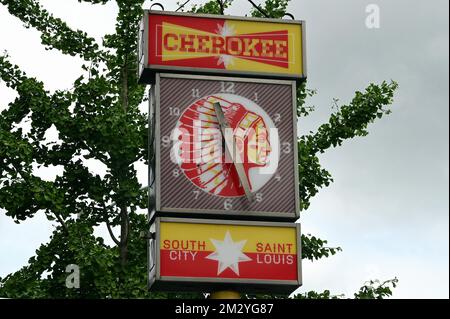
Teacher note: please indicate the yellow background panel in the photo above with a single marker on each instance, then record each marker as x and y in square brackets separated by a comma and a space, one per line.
[295, 46]
[176, 55]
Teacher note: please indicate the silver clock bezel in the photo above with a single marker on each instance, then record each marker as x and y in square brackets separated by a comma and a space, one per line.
[188, 212]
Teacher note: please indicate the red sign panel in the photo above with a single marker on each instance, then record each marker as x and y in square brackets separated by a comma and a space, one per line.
[265, 254]
[218, 44]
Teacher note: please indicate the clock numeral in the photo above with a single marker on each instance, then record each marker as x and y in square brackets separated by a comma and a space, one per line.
[228, 204]
[259, 197]
[277, 117]
[176, 172]
[196, 194]
[165, 141]
[255, 99]
[227, 87]
[196, 93]
[287, 148]
[278, 177]
[174, 111]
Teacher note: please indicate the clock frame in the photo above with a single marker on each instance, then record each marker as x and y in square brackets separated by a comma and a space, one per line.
[175, 195]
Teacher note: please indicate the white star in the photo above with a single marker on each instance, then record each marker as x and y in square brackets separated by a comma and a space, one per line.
[228, 253]
[227, 30]
[227, 60]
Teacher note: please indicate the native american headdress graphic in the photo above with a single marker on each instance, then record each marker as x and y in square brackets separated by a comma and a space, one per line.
[201, 149]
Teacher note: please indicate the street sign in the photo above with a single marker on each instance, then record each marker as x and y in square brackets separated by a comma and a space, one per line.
[225, 147]
[224, 45]
[195, 254]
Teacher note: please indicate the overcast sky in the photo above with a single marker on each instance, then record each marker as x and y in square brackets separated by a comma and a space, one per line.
[388, 207]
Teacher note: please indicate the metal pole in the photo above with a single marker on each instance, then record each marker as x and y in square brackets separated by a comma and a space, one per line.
[225, 294]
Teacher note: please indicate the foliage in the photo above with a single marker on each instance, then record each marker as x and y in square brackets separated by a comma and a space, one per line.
[348, 122]
[99, 118]
[373, 289]
[314, 248]
[272, 8]
[212, 7]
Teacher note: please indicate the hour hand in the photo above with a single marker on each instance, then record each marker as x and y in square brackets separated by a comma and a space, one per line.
[230, 148]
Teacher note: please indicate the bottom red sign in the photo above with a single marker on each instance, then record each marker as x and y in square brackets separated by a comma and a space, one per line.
[216, 254]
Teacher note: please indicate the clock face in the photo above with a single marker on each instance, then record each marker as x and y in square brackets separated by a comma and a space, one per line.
[197, 168]
[201, 152]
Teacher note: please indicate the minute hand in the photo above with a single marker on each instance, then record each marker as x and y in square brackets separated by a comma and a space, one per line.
[230, 148]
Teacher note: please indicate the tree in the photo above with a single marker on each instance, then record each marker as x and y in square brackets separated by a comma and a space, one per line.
[99, 118]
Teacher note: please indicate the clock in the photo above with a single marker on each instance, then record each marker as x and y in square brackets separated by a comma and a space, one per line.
[225, 146]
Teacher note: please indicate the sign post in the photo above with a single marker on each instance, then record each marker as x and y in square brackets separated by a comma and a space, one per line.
[226, 294]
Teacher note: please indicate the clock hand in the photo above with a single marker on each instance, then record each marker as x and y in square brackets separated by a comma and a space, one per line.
[230, 147]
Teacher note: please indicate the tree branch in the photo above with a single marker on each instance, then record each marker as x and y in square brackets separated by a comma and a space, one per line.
[182, 6]
[221, 6]
[352, 120]
[116, 241]
[125, 85]
[61, 221]
[124, 229]
[95, 1]
[259, 9]
[349, 121]
[55, 33]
